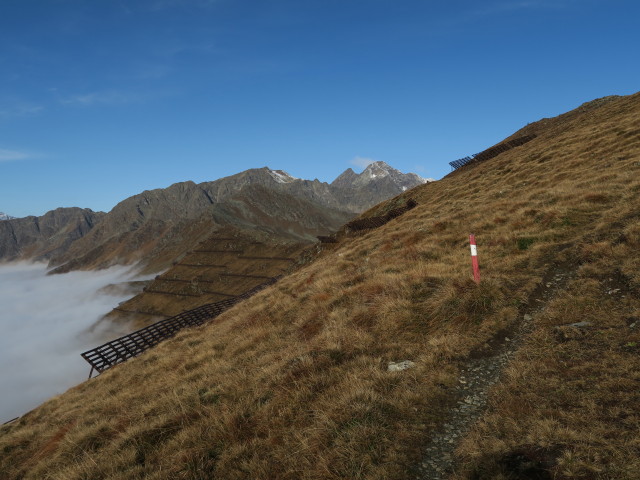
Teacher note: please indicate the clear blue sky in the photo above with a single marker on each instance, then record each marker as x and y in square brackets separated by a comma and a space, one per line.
[101, 99]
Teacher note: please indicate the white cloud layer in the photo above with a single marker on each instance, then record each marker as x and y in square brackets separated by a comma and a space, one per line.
[44, 326]
[362, 162]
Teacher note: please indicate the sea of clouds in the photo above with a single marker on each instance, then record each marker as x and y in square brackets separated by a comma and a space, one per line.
[46, 321]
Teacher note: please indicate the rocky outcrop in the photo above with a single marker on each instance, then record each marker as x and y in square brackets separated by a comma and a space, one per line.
[40, 238]
[158, 225]
[350, 192]
[378, 182]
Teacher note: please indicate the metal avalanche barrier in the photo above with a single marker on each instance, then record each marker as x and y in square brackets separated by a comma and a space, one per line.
[491, 152]
[121, 349]
[375, 222]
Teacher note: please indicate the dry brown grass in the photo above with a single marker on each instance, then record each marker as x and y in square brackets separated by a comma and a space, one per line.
[199, 279]
[572, 391]
[293, 383]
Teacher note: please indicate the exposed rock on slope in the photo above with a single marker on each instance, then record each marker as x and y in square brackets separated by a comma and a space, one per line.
[378, 181]
[350, 192]
[41, 238]
[158, 225]
[375, 173]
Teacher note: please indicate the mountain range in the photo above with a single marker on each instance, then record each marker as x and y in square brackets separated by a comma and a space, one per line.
[158, 225]
[4, 216]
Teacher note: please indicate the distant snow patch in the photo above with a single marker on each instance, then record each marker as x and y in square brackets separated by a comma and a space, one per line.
[281, 176]
[376, 170]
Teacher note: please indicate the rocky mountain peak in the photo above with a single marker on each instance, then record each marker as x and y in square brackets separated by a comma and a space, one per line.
[379, 170]
[378, 181]
[158, 224]
[345, 179]
[376, 173]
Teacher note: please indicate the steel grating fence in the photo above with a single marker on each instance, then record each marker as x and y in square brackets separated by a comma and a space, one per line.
[491, 152]
[375, 222]
[327, 239]
[121, 349]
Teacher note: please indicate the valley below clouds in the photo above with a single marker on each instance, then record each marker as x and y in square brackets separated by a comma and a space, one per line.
[46, 321]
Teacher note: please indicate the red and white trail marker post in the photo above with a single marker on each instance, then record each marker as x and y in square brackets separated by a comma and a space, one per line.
[474, 258]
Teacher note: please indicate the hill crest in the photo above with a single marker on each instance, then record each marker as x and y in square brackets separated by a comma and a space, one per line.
[157, 225]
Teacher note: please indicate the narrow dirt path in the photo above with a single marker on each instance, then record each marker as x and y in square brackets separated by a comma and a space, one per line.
[479, 374]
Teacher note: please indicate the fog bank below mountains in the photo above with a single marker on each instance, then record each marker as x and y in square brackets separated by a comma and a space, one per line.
[45, 324]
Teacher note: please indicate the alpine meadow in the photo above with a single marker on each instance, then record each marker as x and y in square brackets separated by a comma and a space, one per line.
[376, 355]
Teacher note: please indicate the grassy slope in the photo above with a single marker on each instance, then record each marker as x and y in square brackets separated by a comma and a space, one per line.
[292, 384]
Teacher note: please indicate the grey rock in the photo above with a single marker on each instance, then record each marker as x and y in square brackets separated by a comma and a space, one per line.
[399, 366]
[575, 325]
[40, 238]
[159, 224]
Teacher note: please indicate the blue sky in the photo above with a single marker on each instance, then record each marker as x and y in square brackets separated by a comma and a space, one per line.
[102, 99]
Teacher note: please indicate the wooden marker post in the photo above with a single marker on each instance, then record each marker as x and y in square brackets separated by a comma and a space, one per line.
[474, 258]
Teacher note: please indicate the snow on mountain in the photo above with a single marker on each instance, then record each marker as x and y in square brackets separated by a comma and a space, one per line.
[281, 176]
[4, 216]
[377, 171]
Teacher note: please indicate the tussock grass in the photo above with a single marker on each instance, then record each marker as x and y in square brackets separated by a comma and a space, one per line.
[199, 277]
[571, 390]
[293, 383]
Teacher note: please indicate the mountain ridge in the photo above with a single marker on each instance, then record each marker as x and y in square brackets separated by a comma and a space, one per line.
[39, 238]
[153, 223]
